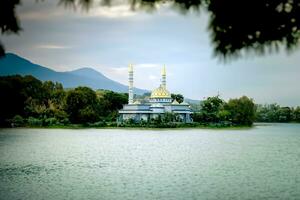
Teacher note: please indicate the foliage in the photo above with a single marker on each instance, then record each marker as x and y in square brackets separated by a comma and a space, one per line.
[17, 121]
[233, 26]
[31, 121]
[98, 124]
[82, 105]
[14, 91]
[275, 113]
[242, 111]
[51, 122]
[215, 111]
[112, 101]
[48, 104]
[195, 107]
[27, 101]
[178, 97]
[296, 114]
[210, 109]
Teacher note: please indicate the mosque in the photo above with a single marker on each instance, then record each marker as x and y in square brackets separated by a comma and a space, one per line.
[160, 102]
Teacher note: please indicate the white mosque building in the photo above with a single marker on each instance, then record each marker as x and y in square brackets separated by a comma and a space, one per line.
[160, 102]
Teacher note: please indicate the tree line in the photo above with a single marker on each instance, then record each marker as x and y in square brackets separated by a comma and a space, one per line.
[276, 113]
[217, 112]
[29, 101]
[242, 111]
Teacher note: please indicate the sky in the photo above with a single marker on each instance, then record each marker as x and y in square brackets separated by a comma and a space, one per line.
[107, 39]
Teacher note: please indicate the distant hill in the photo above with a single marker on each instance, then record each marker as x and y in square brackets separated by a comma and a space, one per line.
[192, 101]
[13, 64]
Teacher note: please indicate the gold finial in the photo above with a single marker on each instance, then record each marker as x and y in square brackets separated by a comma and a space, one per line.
[130, 68]
[163, 71]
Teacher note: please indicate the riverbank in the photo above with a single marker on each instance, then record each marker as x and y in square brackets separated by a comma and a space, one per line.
[138, 126]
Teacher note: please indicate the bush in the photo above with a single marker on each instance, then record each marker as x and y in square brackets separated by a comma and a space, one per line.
[51, 121]
[65, 121]
[31, 121]
[17, 121]
[98, 124]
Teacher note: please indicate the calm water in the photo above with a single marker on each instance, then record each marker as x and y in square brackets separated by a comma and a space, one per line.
[259, 163]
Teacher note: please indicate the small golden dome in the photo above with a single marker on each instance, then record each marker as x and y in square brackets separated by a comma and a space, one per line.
[160, 92]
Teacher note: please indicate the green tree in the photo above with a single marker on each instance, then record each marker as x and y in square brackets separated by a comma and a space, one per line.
[284, 114]
[17, 121]
[275, 113]
[14, 91]
[210, 109]
[82, 105]
[178, 97]
[242, 111]
[170, 117]
[296, 114]
[110, 102]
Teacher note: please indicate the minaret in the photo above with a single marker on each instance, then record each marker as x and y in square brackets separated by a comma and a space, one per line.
[163, 77]
[130, 81]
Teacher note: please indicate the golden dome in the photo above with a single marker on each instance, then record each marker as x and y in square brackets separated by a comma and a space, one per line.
[160, 92]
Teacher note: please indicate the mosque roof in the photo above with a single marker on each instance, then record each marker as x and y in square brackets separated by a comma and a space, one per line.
[160, 92]
[137, 102]
[185, 103]
[175, 102]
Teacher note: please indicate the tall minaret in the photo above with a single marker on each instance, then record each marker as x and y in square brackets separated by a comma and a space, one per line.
[163, 77]
[130, 81]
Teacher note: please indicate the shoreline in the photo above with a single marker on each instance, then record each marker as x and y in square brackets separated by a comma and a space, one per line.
[80, 126]
[76, 127]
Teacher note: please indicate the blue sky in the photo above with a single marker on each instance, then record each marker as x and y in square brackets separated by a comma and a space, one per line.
[109, 38]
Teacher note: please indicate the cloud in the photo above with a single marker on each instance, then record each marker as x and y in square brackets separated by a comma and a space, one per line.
[52, 46]
[36, 11]
[123, 9]
[137, 67]
[116, 11]
[40, 15]
[152, 77]
[148, 65]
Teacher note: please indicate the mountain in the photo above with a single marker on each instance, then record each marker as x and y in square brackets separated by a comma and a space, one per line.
[192, 101]
[13, 64]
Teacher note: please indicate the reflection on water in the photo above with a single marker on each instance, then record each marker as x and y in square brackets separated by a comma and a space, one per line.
[258, 163]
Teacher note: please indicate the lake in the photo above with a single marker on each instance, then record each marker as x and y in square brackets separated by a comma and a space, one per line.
[258, 163]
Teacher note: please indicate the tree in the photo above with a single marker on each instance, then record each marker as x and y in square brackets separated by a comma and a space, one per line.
[275, 113]
[284, 114]
[242, 111]
[267, 113]
[17, 121]
[235, 26]
[296, 114]
[14, 91]
[110, 102]
[178, 97]
[82, 105]
[210, 109]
